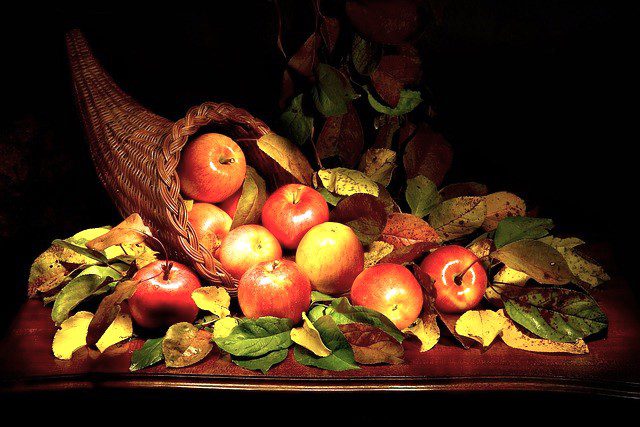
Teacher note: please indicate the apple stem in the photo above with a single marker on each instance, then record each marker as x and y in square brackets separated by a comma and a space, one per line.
[166, 269]
[296, 196]
[457, 279]
[227, 160]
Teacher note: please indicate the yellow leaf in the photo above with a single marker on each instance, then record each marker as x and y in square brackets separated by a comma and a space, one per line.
[345, 182]
[118, 331]
[501, 205]
[308, 337]
[426, 330]
[223, 327]
[482, 326]
[377, 251]
[514, 338]
[506, 281]
[72, 335]
[130, 231]
[378, 164]
[188, 205]
[185, 345]
[212, 299]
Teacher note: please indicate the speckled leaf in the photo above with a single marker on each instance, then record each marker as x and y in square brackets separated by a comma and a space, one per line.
[343, 312]
[537, 259]
[109, 309]
[506, 283]
[557, 314]
[584, 269]
[426, 330]
[185, 345]
[406, 229]
[130, 231]
[72, 335]
[342, 137]
[345, 182]
[364, 213]
[458, 217]
[502, 205]
[377, 251]
[214, 299]
[463, 189]
[409, 253]
[378, 164]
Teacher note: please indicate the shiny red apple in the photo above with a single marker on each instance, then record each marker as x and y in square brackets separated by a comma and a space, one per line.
[210, 223]
[212, 167]
[390, 289]
[274, 288]
[246, 246]
[458, 276]
[291, 211]
[163, 296]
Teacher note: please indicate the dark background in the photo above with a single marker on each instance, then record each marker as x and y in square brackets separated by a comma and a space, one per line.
[530, 93]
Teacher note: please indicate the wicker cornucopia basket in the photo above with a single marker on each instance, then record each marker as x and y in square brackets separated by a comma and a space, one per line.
[136, 153]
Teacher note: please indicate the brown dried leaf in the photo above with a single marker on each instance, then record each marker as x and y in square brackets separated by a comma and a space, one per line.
[393, 73]
[342, 136]
[426, 330]
[427, 153]
[501, 205]
[130, 231]
[406, 229]
[185, 345]
[387, 126]
[409, 253]
[109, 309]
[372, 345]
[329, 30]
[364, 213]
[305, 59]
[383, 21]
[278, 160]
[377, 251]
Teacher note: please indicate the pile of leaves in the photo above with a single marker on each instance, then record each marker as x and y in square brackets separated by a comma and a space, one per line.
[357, 63]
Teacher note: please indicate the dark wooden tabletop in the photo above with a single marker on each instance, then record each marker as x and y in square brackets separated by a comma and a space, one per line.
[611, 368]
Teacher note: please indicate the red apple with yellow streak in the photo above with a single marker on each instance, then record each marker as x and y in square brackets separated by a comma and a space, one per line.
[390, 289]
[247, 246]
[212, 167]
[210, 223]
[331, 255]
[291, 211]
[274, 288]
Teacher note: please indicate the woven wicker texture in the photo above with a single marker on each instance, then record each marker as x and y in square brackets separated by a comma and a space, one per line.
[136, 153]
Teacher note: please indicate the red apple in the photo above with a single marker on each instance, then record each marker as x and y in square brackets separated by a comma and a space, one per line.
[456, 292]
[163, 296]
[274, 288]
[391, 290]
[247, 246]
[331, 255]
[210, 223]
[212, 167]
[291, 211]
[230, 204]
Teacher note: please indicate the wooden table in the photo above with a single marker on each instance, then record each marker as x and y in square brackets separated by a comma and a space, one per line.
[611, 368]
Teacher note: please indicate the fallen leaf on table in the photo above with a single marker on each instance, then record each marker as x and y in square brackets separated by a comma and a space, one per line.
[149, 354]
[502, 205]
[458, 217]
[341, 357]
[119, 330]
[109, 309]
[185, 345]
[223, 327]
[377, 251]
[409, 253]
[583, 268]
[130, 231]
[406, 229]
[482, 326]
[426, 330]
[261, 363]
[308, 337]
[508, 283]
[537, 259]
[213, 299]
[365, 214]
[516, 228]
[372, 345]
[345, 182]
[72, 335]
[422, 195]
[514, 338]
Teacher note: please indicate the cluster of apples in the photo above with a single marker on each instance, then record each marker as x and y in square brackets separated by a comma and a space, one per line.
[295, 225]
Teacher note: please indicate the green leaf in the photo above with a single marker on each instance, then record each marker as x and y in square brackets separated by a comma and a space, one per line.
[317, 296]
[332, 91]
[557, 314]
[89, 282]
[257, 337]
[584, 269]
[343, 313]
[365, 214]
[341, 357]
[89, 253]
[422, 195]
[409, 99]
[537, 259]
[516, 228]
[329, 197]
[254, 194]
[296, 124]
[262, 363]
[317, 311]
[365, 55]
[458, 217]
[149, 354]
